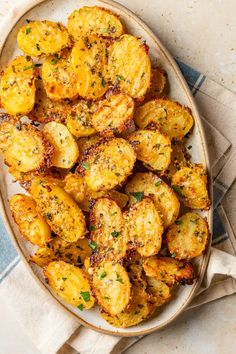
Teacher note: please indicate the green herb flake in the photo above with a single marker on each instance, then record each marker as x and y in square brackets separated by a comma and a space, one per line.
[193, 221]
[120, 77]
[80, 307]
[85, 165]
[115, 212]
[177, 190]
[138, 196]
[85, 295]
[91, 228]
[103, 275]
[28, 29]
[28, 21]
[115, 234]
[103, 82]
[158, 183]
[173, 255]
[28, 67]
[190, 147]
[54, 60]
[64, 279]
[119, 278]
[37, 46]
[179, 222]
[93, 245]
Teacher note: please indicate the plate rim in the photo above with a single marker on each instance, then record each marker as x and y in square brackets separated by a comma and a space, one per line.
[194, 109]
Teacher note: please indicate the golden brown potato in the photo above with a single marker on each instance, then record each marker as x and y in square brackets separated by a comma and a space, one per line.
[137, 311]
[31, 224]
[150, 185]
[158, 87]
[79, 119]
[111, 286]
[187, 237]
[152, 148]
[129, 66]
[112, 160]
[70, 284]
[190, 183]
[108, 229]
[89, 61]
[170, 117]
[114, 114]
[42, 38]
[75, 186]
[179, 158]
[169, 270]
[66, 150]
[94, 20]
[159, 291]
[24, 147]
[59, 250]
[144, 227]
[59, 209]
[86, 143]
[17, 86]
[59, 79]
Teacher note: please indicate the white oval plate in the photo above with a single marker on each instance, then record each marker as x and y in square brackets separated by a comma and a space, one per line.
[58, 11]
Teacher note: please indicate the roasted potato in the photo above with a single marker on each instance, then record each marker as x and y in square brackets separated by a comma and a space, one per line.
[17, 86]
[159, 291]
[158, 87]
[169, 270]
[79, 119]
[170, 117]
[190, 183]
[66, 150]
[42, 38]
[129, 66]
[75, 186]
[31, 224]
[58, 250]
[152, 148]
[89, 62]
[136, 312]
[187, 237]
[144, 227]
[108, 229]
[70, 284]
[59, 209]
[111, 286]
[114, 114]
[150, 185]
[179, 158]
[58, 77]
[24, 147]
[112, 160]
[86, 143]
[94, 20]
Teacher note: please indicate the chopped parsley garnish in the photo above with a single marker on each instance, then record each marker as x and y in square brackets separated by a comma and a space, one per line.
[179, 222]
[103, 82]
[190, 147]
[55, 60]
[120, 77]
[115, 212]
[37, 46]
[119, 278]
[193, 221]
[91, 228]
[138, 195]
[85, 295]
[158, 183]
[27, 31]
[28, 21]
[103, 275]
[28, 67]
[177, 190]
[63, 278]
[115, 234]
[80, 307]
[173, 255]
[93, 245]
[85, 165]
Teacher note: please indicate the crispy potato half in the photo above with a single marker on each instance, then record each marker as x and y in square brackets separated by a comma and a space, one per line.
[129, 66]
[58, 250]
[108, 228]
[150, 185]
[59, 79]
[66, 150]
[17, 86]
[94, 20]
[137, 311]
[152, 148]
[171, 117]
[59, 209]
[187, 237]
[159, 291]
[169, 270]
[70, 284]
[111, 286]
[89, 62]
[75, 186]
[31, 224]
[108, 164]
[24, 147]
[86, 143]
[114, 114]
[42, 38]
[190, 183]
[158, 85]
[144, 227]
[79, 119]
[179, 158]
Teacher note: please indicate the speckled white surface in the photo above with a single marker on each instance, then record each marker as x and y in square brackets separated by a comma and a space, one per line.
[202, 33]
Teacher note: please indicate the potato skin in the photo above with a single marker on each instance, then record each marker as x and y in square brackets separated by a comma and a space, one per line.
[31, 224]
[112, 160]
[152, 148]
[59, 209]
[94, 20]
[114, 114]
[66, 149]
[111, 286]
[42, 38]
[129, 66]
[89, 62]
[190, 183]
[79, 119]
[150, 185]
[70, 284]
[17, 86]
[179, 158]
[169, 270]
[158, 87]
[144, 227]
[24, 147]
[170, 117]
[187, 237]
